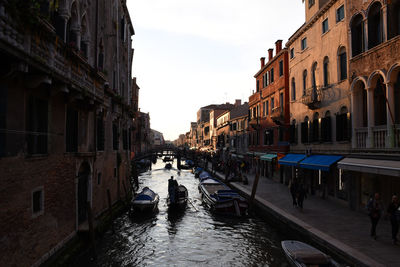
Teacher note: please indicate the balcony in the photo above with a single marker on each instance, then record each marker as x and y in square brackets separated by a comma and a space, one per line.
[379, 139]
[312, 97]
[254, 98]
[277, 114]
[255, 123]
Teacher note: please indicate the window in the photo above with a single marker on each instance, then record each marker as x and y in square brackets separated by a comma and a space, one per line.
[304, 82]
[115, 136]
[342, 58]
[258, 86]
[115, 172]
[71, 130]
[269, 137]
[266, 78]
[281, 101]
[272, 103]
[314, 128]
[99, 178]
[280, 68]
[272, 75]
[393, 15]
[37, 125]
[325, 26]
[293, 89]
[123, 29]
[342, 125]
[100, 133]
[326, 128]
[303, 43]
[326, 71]
[313, 75]
[266, 107]
[304, 131]
[37, 202]
[293, 132]
[340, 14]
[311, 3]
[357, 35]
[375, 29]
[292, 53]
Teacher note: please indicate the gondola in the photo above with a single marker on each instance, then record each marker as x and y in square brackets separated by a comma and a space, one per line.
[301, 254]
[168, 166]
[145, 201]
[221, 199]
[181, 199]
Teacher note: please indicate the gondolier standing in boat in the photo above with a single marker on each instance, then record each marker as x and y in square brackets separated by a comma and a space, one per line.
[172, 186]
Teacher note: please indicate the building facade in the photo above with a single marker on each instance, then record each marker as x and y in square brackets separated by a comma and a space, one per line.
[374, 69]
[320, 98]
[65, 120]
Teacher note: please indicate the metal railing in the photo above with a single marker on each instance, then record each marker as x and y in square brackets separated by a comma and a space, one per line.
[312, 97]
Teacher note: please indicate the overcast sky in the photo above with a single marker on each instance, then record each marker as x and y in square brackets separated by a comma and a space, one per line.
[192, 53]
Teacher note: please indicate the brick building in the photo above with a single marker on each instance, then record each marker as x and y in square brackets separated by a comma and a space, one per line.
[65, 120]
[269, 111]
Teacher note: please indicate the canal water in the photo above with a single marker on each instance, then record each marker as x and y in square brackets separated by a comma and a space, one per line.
[194, 238]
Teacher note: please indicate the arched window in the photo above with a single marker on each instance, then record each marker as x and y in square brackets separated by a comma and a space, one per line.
[304, 131]
[374, 25]
[85, 36]
[380, 103]
[326, 71]
[315, 128]
[304, 82]
[342, 63]
[357, 35]
[313, 75]
[326, 127]
[393, 18]
[397, 100]
[73, 27]
[293, 89]
[342, 125]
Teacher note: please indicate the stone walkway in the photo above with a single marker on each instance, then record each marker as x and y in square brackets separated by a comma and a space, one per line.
[335, 226]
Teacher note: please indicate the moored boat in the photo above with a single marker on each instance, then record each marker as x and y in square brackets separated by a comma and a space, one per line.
[181, 199]
[145, 201]
[301, 254]
[197, 172]
[222, 199]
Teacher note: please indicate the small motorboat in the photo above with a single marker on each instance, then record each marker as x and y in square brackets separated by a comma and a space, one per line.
[168, 166]
[145, 201]
[181, 199]
[301, 254]
[221, 199]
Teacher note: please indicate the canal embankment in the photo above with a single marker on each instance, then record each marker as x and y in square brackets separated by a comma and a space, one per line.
[331, 227]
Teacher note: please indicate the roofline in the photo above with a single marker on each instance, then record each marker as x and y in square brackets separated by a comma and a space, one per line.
[285, 49]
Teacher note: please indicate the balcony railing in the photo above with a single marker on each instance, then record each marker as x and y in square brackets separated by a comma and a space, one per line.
[312, 97]
[277, 113]
[379, 133]
[361, 137]
[254, 98]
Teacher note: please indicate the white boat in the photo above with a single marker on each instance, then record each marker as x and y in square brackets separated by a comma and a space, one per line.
[145, 201]
[301, 254]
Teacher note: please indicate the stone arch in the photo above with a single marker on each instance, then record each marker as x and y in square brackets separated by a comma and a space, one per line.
[393, 77]
[372, 79]
[356, 81]
[393, 72]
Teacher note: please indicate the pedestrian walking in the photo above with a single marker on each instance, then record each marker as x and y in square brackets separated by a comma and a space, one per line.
[393, 211]
[375, 209]
[293, 191]
[301, 195]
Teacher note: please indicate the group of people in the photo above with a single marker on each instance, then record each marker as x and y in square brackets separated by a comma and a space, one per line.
[376, 209]
[298, 192]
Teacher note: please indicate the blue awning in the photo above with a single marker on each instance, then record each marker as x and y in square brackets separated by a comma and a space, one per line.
[268, 157]
[319, 162]
[291, 159]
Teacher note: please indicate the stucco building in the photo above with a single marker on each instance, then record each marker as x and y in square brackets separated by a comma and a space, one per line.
[320, 99]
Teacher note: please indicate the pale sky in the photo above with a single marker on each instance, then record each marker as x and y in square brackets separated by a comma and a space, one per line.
[192, 53]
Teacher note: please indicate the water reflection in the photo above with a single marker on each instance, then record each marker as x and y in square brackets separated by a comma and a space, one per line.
[194, 237]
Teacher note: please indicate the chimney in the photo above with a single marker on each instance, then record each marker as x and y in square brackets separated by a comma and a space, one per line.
[278, 46]
[262, 60]
[238, 102]
[270, 51]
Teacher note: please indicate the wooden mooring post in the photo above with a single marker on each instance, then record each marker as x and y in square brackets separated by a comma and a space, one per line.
[110, 209]
[255, 184]
[91, 229]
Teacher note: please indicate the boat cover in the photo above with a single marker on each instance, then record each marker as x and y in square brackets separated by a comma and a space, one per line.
[204, 174]
[311, 257]
[146, 194]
